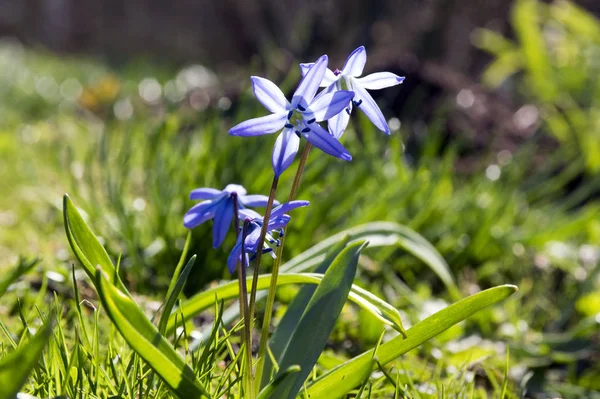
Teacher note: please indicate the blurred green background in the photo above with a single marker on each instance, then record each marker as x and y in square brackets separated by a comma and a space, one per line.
[494, 155]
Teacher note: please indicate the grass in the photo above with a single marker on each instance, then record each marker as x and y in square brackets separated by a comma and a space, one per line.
[131, 177]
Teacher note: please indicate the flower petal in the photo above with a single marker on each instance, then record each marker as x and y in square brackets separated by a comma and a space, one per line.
[279, 222]
[328, 105]
[200, 213]
[234, 255]
[305, 66]
[285, 150]
[269, 95]
[235, 188]
[286, 207]
[370, 107]
[222, 223]
[310, 83]
[380, 80]
[355, 63]
[205, 193]
[255, 200]
[245, 213]
[329, 78]
[251, 243]
[258, 126]
[338, 124]
[323, 140]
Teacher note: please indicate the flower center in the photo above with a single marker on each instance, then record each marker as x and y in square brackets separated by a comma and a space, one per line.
[295, 118]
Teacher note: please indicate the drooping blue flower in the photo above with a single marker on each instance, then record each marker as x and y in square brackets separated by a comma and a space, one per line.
[362, 100]
[219, 205]
[279, 218]
[297, 119]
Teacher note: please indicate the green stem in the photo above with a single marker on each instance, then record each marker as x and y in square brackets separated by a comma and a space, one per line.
[263, 234]
[247, 335]
[275, 273]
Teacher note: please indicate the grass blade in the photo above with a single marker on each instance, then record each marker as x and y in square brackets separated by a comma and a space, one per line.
[23, 267]
[16, 367]
[173, 294]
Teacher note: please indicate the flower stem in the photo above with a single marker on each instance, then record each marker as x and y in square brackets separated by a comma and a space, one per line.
[243, 292]
[247, 333]
[274, 274]
[263, 234]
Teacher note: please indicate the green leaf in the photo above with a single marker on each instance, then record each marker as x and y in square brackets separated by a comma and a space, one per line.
[350, 374]
[283, 379]
[86, 246]
[317, 322]
[289, 322]
[577, 19]
[492, 42]
[16, 367]
[145, 339]
[204, 300]
[378, 234]
[504, 66]
[173, 294]
[526, 18]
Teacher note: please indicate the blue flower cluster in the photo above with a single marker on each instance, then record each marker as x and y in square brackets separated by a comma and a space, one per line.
[301, 117]
[219, 205]
[279, 219]
[343, 90]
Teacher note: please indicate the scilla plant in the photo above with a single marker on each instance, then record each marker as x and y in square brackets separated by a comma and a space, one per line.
[283, 364]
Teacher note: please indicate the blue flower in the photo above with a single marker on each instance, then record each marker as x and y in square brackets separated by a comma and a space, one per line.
[219, 205]
[298, 118]
[277, 221]
[351, 72]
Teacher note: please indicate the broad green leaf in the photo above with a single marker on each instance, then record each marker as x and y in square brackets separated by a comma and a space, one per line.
[379, 234]
[283, 379]
[317, 322]
[145, 339]
[350, 374]
[204, 300]
[288, 323]
[173, 294]
[86, 246]
[16, 366]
